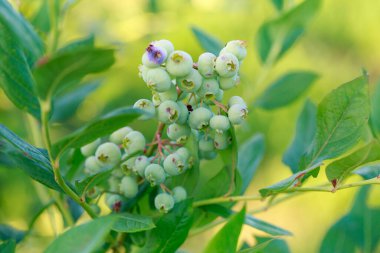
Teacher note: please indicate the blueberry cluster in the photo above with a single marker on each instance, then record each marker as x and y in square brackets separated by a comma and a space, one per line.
[187, 101]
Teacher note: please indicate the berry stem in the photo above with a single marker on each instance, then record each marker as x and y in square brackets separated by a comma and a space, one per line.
[220, 105]
[156, 139]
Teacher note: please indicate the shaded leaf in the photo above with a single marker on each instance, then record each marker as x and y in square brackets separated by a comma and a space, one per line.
[98, 128]
[8, 247]
[286, 90]
[375, 111]
[85, 238]
[89, 182]
[273, 245]
[341, 118]
[369, 171]
[304, 135]
[24, 156]
[41, 20]
[279, 4]
[275, 37]
[265, 226]
[82, 43]
[227, 238]
[250, 155]
[132, 223]
[207, 41]
[10, 233]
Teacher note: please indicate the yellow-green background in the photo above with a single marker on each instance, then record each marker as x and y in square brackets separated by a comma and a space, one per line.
[343, 38]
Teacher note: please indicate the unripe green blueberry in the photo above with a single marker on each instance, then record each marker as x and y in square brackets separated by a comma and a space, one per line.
[158, 80]
[178, 133]
[237, 114]
[237, 48]
[164, 202]
[227, 65]
[113, 183]
[108, 155]
[236, 100]
[219, 95]
[209, 88]
[93, 193]
[206, 65]
[164, 44]
[155, 174]
[128, 166]
[143, 70]
[168, 112]
[179, 64]
[183, 113]
[134, 142]
[190, 83]
[154, 56]
[141, 163]
[114, 201]
[227, 83]
[222, 141]
[91, 165]
[118, 136]
[129, 187]
[117, 172]
[200, 118]
[219, 123]
[174, 164]
[89, 149]
[184, 153]
[179, 194]
[147, 106]
[206, 144]
[210, 155]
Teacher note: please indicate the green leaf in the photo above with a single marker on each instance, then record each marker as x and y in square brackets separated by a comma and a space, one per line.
[265, 226]
[65, 105]
[11, 233]
[227, 238]
[98, 128]
[250, 155]
[279, 4]
[286, 90]
[89, 182]
[82, 43]
[41, 20]
[132, 223]
[286, 183]
[304, 135]
[8, 247]
[275, 245]
[342, 115]
[338, 170]
[375, 111]
[15, 77]
[357, 231]
[207, 42]
[24, 156]
[275, 37]
[85, 238]
[171, 230]
[369, 171]
[69, 67]
[21, 32]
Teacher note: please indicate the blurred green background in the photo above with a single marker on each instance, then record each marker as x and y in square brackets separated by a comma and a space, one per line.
[342, 39]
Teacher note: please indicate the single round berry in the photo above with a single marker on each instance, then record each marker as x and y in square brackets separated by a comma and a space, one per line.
[113, 183]
[128, 166]
[164, 44]
[237, 114]
[200, 118]
[209, 88]
[147, 106]
[143, 70]
[89, 149]
[219, 123]
[206, 65]
[158, 80]
[210, 155]
[227, 83]
[236, 100]
[184, 153]
[118, 136]
[91, 165]
[114, 201]
[155, 174]
[183, 113]
[134, 142]
[206, 144]
[178, 133]
[179, 64]
[129, 187]
[168, 112]
[141, 163]
[190, 83]
[108, 155]
[219, 95]
[174, 164]
[117, 172]
[222, 141]
[154, 56]
[164, 202]
[179, 194]
[237, 48]
[227, 65]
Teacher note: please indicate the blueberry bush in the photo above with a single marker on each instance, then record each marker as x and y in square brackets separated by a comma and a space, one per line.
[143, 193]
